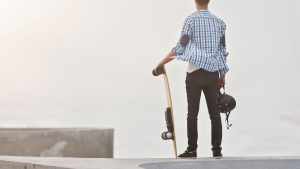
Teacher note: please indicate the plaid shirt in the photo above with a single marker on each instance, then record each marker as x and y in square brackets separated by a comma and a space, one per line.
[202, 42]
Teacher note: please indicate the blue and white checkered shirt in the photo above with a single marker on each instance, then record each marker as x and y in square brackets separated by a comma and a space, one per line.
[202, 42]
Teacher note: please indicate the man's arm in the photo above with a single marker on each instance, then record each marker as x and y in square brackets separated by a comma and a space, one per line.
[160, 67]
[225, 54]
[167, 59]
[185, 38]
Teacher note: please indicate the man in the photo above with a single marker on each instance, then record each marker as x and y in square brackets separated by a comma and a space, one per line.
[202, 44]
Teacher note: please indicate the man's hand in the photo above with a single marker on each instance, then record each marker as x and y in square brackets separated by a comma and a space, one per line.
[222, 81]
[160, 69]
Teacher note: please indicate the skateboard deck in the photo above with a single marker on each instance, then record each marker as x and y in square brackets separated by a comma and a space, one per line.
[170, 134]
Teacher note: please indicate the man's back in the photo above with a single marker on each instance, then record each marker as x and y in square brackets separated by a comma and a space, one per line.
[205, 47]
[207, 30]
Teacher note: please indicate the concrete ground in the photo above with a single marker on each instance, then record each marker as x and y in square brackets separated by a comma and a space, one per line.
[9, 162]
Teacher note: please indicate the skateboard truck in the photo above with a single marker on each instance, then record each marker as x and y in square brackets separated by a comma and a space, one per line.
[168, 135]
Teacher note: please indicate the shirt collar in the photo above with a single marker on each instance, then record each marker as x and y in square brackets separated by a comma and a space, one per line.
[203, 10]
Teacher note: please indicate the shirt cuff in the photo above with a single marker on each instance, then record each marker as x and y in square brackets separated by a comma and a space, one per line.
[222, 72]
[226, 54]
[178, 49]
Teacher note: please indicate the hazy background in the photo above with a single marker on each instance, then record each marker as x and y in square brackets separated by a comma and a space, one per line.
[87, 63]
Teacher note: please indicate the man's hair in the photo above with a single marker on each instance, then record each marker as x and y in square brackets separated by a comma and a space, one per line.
[201, 2]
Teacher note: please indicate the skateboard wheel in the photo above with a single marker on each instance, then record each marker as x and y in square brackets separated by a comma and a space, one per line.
[164, 136]
[167, 135]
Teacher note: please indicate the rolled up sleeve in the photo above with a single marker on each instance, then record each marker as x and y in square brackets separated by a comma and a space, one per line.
[224, 53]
[223, 42]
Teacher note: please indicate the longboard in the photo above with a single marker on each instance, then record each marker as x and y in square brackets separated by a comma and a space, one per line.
[170, 134]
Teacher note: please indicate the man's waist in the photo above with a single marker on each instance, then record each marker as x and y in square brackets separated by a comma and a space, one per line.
[192, 68]
[201, 70]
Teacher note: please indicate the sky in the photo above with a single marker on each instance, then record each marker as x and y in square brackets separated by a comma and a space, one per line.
[88, 63]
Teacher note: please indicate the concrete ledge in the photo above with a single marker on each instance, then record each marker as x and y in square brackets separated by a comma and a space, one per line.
[200, 163]
[57, 142]
[16, 165]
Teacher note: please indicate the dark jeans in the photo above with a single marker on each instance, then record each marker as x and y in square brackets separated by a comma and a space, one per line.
[208, 82]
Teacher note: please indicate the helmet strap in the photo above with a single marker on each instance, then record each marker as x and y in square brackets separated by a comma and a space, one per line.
[227, 120]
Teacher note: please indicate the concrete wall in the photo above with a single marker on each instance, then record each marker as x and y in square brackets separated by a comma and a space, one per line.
[84, 143]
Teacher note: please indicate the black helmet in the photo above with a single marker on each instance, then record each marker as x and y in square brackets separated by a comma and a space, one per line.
[226, 104]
